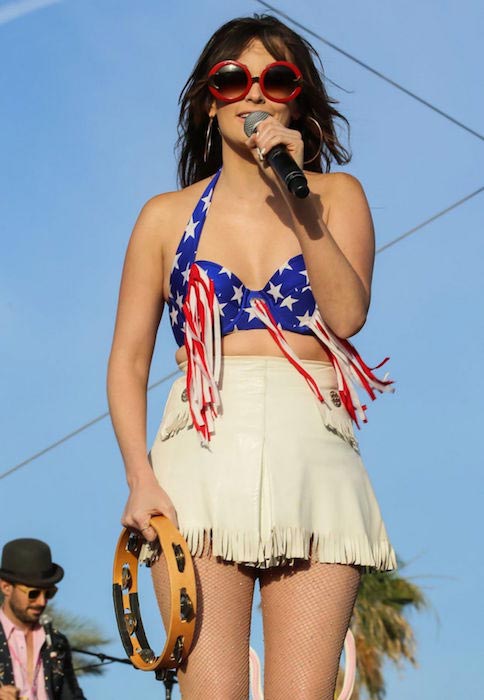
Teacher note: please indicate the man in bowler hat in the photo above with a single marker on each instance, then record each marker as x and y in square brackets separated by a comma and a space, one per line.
[35, 663]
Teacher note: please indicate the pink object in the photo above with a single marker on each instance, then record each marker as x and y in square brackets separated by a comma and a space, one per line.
[17, 647]
[350, 667]
[255, 676]
[349, 677]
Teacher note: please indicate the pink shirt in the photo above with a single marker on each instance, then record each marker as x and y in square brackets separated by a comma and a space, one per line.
[18, 653]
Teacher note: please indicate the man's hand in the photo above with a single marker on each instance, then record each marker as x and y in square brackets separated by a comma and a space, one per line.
[9, 692]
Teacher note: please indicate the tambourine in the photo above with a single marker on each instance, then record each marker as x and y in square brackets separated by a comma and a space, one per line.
[132, 549]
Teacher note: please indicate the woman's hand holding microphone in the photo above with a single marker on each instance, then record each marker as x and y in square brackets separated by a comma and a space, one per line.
[273, 144]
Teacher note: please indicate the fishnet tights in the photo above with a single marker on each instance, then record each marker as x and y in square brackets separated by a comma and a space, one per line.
[218, 665]
[306, 610]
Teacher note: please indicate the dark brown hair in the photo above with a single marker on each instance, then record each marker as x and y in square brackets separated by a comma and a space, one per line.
[280, 41]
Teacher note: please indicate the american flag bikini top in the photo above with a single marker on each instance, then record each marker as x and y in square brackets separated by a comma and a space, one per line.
[287, 293]
[207, 301]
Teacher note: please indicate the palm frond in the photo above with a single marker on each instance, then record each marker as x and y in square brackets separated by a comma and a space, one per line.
[381, 628]
[82, 634]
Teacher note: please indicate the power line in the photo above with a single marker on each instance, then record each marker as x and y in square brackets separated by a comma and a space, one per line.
[173, 374]
[69, 436]
[428, 221]
[372, 70]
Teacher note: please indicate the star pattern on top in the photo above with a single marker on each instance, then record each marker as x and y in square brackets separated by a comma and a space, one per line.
[285, 266]
[238, 293]
[207, 201]
[275, 291]
[173, 316]
[305, 319]
[286, 294]
[252, 312]
[289, 302]
[186, 273]
[305, 274]
[191, 227]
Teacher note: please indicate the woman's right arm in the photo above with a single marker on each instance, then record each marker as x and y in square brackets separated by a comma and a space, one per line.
[139, 312]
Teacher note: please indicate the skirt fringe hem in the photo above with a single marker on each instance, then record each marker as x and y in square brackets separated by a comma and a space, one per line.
[288, 544]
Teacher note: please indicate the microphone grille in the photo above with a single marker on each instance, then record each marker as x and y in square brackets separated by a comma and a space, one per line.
[45, 619]
[252, 120]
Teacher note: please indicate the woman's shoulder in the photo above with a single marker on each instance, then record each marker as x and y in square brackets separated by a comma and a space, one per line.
[168, 204]
[335, 184]
[338, 191]
[164, 216]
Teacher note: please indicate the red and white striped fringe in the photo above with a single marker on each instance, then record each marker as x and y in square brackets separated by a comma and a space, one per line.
[204, 351]
[203, 346]
[349, 366]
[350, 369]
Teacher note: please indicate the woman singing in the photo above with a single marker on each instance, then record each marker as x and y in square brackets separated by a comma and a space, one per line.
[255, 459]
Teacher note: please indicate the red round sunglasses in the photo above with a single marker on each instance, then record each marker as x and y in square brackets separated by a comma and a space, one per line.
[231, 81]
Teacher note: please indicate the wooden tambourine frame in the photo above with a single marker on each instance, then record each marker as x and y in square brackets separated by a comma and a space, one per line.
[183, 597]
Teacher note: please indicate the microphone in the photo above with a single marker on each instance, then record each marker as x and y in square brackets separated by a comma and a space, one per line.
[46, 622]
[279, 159]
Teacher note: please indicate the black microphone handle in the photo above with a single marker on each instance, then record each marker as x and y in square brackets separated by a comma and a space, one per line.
[286, 167]
[48, 633]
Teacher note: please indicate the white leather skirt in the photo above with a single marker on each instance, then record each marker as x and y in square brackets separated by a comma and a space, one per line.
[281, 478]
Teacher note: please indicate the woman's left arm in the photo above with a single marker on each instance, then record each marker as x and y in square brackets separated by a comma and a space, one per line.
[339, 255]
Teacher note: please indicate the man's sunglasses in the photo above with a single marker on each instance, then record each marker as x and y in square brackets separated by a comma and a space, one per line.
[231, 81]
[34, 593]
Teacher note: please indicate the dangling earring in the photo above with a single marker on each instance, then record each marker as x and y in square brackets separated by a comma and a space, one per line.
[208, 140]
[321, 139]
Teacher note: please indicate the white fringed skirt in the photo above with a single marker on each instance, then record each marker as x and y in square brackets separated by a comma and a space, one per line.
[281, 477]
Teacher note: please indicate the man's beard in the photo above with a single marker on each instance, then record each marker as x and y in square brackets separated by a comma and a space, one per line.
[28, 615]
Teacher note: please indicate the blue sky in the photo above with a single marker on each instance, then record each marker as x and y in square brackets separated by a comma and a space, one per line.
[87, 128]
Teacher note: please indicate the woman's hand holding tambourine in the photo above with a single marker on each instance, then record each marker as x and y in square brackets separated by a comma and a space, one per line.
[146, 499]
[131, 551]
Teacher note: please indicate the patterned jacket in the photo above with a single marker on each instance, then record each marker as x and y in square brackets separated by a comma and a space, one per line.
[59, 677]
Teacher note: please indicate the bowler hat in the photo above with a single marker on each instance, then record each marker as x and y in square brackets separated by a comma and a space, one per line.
[30, 562]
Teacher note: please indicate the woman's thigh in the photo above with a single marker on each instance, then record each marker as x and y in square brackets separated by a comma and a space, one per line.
[218, 664]
[306, 612]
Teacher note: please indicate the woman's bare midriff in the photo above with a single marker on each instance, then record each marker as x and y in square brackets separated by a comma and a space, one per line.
[259, 342]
